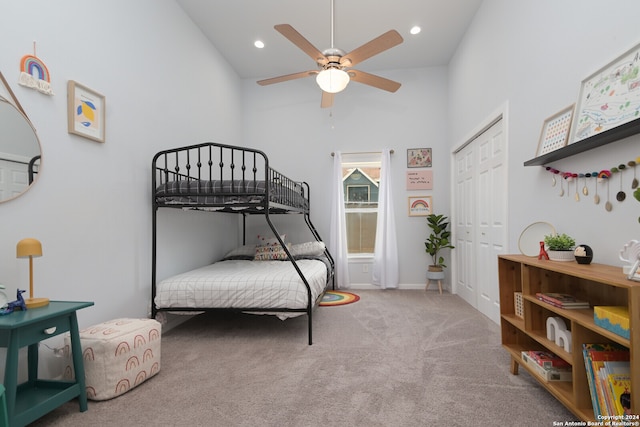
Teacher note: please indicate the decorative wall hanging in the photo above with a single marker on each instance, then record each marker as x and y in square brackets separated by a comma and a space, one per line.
[34, 74]
[86, 112]
[577, 183]
[420, 180]
[420, 205]
[555, 131]
[419, 158]
[610, 97]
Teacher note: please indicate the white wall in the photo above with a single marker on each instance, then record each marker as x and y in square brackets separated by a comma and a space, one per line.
[534, 55]
[165, 86]
[287, 122]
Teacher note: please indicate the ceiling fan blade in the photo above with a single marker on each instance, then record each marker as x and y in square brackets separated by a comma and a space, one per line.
[287, 77]
[386, 41]
[327, 100]
[296, 38]
[373, 80]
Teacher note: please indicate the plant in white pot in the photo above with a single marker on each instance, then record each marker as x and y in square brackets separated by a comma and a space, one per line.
[437, 240]
[560, 247]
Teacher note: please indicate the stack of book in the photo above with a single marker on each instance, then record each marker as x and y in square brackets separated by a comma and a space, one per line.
[609, 377]
[548, 365]
[560, 300]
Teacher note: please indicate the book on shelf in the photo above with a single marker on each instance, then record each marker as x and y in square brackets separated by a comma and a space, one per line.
[616, 381]
[561, 300]
[597, 361]
[547, 374]
[547, 359]
[620, 385]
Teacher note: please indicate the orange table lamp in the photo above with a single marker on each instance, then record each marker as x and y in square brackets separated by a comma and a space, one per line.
[29, 248]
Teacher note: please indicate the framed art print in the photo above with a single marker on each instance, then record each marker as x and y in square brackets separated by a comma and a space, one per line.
[610, 97]
[420, 205]
[85, 112]
[555, 131]
[419, 158]
[419, 180]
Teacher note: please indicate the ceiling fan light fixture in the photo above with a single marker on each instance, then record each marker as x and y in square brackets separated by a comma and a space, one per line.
[332, 80]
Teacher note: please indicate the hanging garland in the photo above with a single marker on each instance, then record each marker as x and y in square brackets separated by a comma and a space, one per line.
[604, 176]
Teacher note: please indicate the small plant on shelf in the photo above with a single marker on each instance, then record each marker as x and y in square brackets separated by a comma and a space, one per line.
[559, 242]
[560, 247]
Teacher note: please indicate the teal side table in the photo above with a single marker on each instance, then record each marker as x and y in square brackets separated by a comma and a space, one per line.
[34, 398]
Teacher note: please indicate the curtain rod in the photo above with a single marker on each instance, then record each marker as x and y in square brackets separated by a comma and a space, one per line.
[362, 152]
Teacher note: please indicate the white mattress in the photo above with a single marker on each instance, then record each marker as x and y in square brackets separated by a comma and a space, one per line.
[244, 284]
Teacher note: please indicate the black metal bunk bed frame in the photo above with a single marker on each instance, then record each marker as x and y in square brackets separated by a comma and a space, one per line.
[202, 187]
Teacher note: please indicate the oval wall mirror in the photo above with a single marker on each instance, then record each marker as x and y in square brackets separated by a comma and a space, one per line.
[20, 154]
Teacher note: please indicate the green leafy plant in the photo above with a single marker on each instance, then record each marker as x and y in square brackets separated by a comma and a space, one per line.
[559, 242]
[438, 239]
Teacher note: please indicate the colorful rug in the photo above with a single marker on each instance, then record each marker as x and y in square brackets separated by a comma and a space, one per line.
[332, 298]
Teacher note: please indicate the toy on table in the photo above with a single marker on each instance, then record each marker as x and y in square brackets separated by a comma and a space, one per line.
[17, 304]
[543, 252]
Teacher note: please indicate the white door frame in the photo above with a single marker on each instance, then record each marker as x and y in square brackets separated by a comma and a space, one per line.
[494, 117]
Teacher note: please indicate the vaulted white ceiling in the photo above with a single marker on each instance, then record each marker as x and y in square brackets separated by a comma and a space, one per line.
[233, 27]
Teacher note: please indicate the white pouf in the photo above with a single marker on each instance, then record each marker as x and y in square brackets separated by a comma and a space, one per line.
[118, 356]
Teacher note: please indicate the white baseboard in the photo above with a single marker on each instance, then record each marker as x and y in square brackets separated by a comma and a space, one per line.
[400, 286]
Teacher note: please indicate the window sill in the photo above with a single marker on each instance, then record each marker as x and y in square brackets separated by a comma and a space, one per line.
[361, 258]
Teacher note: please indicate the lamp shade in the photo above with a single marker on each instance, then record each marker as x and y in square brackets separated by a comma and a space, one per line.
[332, 80]
[28, 247]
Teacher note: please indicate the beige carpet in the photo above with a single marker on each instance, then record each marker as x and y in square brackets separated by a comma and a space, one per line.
[394, 358]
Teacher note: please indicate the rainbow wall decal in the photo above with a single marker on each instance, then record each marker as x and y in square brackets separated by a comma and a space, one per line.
[30, 64]
[420, 204]
[35, 75]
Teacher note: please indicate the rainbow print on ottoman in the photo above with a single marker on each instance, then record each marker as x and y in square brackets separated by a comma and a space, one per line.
[118, 356]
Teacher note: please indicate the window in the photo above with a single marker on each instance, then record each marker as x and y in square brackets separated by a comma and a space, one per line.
[360, 178]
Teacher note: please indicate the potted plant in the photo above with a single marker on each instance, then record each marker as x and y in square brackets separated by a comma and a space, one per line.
[560, 247]
[437, 240]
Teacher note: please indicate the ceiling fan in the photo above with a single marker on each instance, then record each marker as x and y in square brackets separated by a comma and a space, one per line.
[334, 64]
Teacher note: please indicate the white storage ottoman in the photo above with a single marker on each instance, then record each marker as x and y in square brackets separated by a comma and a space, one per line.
[118, 356]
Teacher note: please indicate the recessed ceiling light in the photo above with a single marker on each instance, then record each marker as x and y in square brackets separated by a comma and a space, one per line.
[259, 44]
[415, 30]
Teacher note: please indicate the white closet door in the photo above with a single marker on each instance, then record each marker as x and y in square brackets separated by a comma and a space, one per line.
[491, 217]
[480, 222]
[464, 224]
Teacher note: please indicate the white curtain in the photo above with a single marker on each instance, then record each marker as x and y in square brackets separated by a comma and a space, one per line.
[385, 256]
[338, 237]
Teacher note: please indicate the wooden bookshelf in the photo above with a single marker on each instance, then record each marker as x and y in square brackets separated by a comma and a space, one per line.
[597, 283]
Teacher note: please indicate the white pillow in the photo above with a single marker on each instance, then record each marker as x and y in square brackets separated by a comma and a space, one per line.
[307, 249]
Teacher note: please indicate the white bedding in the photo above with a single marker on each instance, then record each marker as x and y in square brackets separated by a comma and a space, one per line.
[244, 284]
